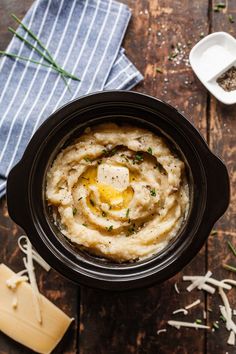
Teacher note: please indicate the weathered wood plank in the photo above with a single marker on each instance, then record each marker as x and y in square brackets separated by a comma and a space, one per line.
[222, 141]
[60, 291]
[127, 322]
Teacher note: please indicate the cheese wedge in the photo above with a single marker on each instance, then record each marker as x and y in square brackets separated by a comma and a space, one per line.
[21, 324]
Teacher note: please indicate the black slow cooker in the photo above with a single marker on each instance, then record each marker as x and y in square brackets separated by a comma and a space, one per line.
[208, 180]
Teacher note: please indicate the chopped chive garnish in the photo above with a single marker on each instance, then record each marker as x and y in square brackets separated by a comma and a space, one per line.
[86, 225]
[127, 213]
[198, 321]
[231, 247]
[222, 318]
[215, 325]
[229, 267]
[159, 70]
[149, 150]
[80, 199]
[92, 202]
[231, 19]
[172, 55]
[110, 228]
[138, 157]
[107, 152]
[87, 159]
[113, 152]
[221, 5]
[153, 192]
[74, 211]
[131, 229]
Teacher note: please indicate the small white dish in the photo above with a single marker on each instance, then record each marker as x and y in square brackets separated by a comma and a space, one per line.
[210, 58]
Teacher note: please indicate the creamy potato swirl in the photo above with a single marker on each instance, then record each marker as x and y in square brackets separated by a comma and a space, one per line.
[119, 224]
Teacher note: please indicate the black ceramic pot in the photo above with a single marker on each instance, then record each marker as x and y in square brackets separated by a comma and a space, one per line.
[208, 179]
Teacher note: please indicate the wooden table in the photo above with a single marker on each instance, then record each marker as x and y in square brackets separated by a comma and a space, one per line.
[120, 323]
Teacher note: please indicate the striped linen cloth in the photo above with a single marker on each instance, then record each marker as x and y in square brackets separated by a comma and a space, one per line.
[84, 37]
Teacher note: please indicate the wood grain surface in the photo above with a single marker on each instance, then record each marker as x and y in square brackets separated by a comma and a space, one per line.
[125, 323]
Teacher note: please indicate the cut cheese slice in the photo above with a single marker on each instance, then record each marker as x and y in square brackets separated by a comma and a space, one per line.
[21, 324]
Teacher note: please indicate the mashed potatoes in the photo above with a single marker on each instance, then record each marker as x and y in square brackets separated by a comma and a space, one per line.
[119, 192]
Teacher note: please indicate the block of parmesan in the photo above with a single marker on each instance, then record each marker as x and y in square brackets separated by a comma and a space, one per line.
[21, 324]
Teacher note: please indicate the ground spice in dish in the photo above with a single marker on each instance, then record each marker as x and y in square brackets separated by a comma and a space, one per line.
[228, 79]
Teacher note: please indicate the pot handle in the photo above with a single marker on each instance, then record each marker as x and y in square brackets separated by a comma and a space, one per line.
[16, 194]
[218, 187]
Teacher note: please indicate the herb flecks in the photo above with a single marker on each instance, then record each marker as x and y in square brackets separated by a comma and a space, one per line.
[159, 70]
[149, 150]
[87, 159]
[231, 19]
[132, 229]
[138, 157]
[127, 213]
[153, 192]
[84, 224]
[219, 6]
[92, 202]
[110, 228]
[215, 325]
[74, 211]
[198, 321]
[109, 153]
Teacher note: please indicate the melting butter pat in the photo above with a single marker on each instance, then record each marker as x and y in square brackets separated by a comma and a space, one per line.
[21, 324]
[115, 176]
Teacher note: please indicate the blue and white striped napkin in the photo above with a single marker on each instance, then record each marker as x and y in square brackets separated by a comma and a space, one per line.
[84, 36]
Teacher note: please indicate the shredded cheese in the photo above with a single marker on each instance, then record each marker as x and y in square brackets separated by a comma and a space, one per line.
[179, 324]
[176, 288]
[161, 331]
[185, 312]
[229, 281]
[231, 339]
[227, 312]
[198, 281]
[36, 257]
[28, 262]
[16, 279]
[207, 288]
[31, 255]
[195, 303]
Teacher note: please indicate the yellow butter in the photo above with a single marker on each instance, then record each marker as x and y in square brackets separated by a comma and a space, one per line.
[21, 324]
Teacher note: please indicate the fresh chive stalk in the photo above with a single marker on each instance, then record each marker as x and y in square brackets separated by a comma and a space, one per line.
[231, 247]
[229, 267]
[44, 53]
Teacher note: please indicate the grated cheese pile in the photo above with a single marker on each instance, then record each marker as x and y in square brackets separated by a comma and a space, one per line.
[12, 283]
[210, 285]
